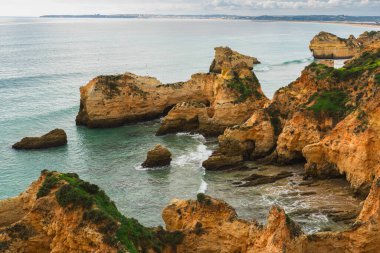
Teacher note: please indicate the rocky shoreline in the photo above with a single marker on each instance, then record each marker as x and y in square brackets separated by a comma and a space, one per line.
[328, 119]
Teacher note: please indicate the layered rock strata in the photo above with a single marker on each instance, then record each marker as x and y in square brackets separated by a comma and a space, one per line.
[54, 138]
[201, 103]
[61, 213]
[329, 46]
[327, 117]
[211, 225]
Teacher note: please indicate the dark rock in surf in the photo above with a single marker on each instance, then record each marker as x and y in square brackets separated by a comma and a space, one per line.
[157, 157]
[55, 138]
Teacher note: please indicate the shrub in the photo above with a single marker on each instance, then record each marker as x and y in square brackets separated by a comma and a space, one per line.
[245, 87]
[330, 102]
[68, 195]
[377, 79]
[201, 197]
[48, 184]
[88, 187]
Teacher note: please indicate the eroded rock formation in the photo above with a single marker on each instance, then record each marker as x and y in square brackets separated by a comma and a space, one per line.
[211, 225]
[61, 213]
[227, 58]
[55, 138]
[328, 117]
[329, 46]
[201, 104]
[158, 157]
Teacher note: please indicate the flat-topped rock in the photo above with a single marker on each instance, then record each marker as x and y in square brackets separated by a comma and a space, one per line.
[329, 46]
[55, 138]
[157, 157]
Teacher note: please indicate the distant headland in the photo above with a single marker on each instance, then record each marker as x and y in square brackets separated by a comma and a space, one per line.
[311, 18]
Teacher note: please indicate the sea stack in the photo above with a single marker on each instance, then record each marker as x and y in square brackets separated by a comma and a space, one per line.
[54, 138]
[207, 103]
[225, 55]
[329, 46]
[158, 157]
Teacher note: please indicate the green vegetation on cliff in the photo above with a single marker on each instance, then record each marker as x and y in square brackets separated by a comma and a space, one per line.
[245, 87]
[330, 102]
[368, 61]
[72, 192]
[377, 78]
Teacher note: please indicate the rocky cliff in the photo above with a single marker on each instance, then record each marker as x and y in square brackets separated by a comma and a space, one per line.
[329, 46]
[62, 213]
[237, 94]
[327, 117]
[211, 225]
[202, 102]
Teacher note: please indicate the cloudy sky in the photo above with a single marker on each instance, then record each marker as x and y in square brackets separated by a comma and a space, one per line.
[241, 7]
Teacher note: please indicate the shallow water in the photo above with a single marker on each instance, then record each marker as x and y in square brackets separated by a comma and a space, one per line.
[43, 62]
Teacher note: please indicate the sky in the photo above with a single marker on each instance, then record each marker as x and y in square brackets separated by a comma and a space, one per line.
[238, 7]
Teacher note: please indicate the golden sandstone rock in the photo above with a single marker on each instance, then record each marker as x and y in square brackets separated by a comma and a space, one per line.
[157, 157]
[328, 117]
[329, 46]
[108, 101]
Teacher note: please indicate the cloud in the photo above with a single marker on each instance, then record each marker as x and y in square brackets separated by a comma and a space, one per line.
[292, 4]
[246, 7]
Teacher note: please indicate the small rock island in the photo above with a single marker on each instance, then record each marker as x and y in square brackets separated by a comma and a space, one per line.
[158, 157]
[54, 138]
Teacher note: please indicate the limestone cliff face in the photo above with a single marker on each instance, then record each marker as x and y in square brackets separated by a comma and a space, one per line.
[304, 113]
[46, 227]
[329, 46]
[232, 104]
[237, 94]
[211, 225]
[369, 39]
[351, 148]
[108, 101]
[61, 213]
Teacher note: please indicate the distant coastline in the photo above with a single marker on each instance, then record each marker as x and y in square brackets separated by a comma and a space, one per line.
[366, 21]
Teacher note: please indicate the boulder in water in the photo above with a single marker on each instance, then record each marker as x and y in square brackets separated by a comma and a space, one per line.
[55, 138]
[158, 157]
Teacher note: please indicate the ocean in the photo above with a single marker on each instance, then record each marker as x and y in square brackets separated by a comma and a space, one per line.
[43, 62]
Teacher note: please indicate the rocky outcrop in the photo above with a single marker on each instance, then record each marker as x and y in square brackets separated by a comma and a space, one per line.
[109, 101]
[55, 138]
[158, 157]
[303, 113]
[227, 58]
[351, 149]
[211, 225]
[237, 94]
[369, 39]
[253, 139]
[61, 213]
[329, 46]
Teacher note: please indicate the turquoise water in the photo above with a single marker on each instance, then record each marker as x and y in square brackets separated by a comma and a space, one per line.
[43, 62]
